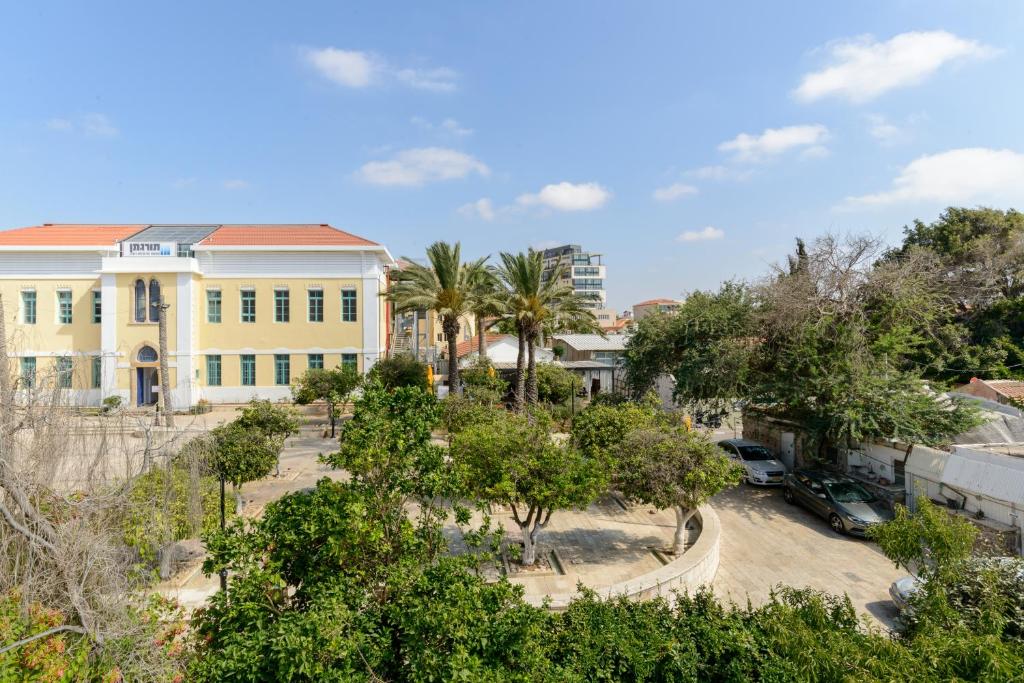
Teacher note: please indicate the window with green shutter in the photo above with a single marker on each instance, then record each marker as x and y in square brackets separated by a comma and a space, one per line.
[97, 306]
[282, 306]
[315, 361]
[248, 362]
[97, 372]
[248, 306]
[282, 369]
[28, 306]
[348, 305]
[64, 366]
[316, 305]
[350, 360]
[213, 306]
[213, 371]
[64, 306]
[28, 371]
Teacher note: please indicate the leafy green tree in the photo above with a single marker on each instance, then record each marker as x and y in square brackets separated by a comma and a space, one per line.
[445, 287]
[673, 468]
[276, 421]
[706, 346]
[483, 384]
[402, 370]
[536, 306]
[555, 384]
[241, 454]
[599, 428]
[333, 387]
[515, 462]
[487, 303]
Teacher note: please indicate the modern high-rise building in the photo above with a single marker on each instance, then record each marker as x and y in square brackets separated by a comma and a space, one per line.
[250, 308]
[587, 274]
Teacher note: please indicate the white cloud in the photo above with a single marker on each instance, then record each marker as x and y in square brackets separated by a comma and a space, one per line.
[883, 130]
[674, 191]
[448, 126]
[93, 125]
[481, 208]
[720, 173]
[422, 165]
[815, 152]
[60, 124]
[774, 141]
[235, 184]
[567, 196]
[959, 176]
[863, 68]
[441, 79]
[702, 235]
[350, 68]
[356, 69]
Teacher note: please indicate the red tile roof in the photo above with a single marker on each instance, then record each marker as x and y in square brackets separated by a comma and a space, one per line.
[67, 235]
[283, 235]
[1010, 388]
[464, 348]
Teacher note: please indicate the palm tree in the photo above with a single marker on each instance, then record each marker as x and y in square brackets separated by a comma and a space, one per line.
[536, 306]
[444, 287]
[486, 304]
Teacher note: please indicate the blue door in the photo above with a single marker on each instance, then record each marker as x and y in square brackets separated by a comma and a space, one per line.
[140, 386]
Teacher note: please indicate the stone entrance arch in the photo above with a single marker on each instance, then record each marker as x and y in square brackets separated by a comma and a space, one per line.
[145, 374]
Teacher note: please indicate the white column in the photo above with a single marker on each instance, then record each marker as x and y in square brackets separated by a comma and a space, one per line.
[372, 348]
[184, 320]
[108, 336]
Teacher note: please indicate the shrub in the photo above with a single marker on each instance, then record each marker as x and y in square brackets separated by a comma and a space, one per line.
[399, 371]
[111, 403]
[461, 412]
[483, 384]
[555, 384]
[597, 428]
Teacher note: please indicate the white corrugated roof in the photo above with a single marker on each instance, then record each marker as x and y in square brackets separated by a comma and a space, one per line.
[594, 342]
[926, 462]
[991, 474]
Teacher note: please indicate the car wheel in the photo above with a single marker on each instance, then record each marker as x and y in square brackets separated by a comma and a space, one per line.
[787, 495]
[836, 522]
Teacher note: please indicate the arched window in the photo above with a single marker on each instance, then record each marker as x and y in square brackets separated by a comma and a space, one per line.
[140, 301]
[154, 300]
[147, 354]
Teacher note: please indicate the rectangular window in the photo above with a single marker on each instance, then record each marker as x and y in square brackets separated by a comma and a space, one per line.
[248, 306]
[282, 369]
[64, 372]
[349, 360]
[316, 305]
[348, 305]
[28, 306]
[184, 250]
[213, 371]
[97, 306]
[97, 372]
[248, 370]
[64, 306]
[213, 305]
[28, 371]
[282, 306]
[316, 361]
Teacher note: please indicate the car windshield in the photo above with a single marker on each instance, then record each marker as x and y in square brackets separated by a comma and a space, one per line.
[848, 492]
[755, 453]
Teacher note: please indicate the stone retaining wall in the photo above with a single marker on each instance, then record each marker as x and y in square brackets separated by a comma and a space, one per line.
[696, 567]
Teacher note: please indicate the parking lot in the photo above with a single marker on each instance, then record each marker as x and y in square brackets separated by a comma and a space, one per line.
[766, 541]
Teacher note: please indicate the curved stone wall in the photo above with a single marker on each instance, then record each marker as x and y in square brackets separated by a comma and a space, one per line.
[696, 567]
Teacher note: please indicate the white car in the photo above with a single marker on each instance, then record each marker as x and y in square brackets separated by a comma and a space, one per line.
[763, 469]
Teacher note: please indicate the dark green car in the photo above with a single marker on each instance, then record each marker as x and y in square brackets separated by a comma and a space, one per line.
[848, 506]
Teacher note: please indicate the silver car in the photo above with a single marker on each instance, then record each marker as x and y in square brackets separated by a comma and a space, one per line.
[847, 505]
[763, 469]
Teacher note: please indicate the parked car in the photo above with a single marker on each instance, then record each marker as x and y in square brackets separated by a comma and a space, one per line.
[1011, 569]
[848, 506]
[758, 460]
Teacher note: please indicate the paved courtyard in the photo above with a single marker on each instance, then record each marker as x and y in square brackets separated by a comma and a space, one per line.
[766, 541]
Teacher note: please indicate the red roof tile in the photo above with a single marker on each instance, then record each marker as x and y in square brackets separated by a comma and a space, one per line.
[464, 348]
[67, 235]
[283, 235]
[1011, 388]
[651, 302]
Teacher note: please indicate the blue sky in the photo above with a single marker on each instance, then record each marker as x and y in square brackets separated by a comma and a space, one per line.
[689, 142]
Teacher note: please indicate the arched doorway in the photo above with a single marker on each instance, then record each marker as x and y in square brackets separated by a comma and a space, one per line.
[145, 363]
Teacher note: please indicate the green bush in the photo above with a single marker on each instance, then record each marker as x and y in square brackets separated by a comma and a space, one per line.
[555, 384]
[597, 428]
[111, 403]
[170, 504]
[460, 412]
[483, 384]
[399, 371]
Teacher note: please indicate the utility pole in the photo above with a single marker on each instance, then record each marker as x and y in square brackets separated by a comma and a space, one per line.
[165, 378]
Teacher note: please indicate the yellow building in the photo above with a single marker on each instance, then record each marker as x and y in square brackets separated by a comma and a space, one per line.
[250, 307]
